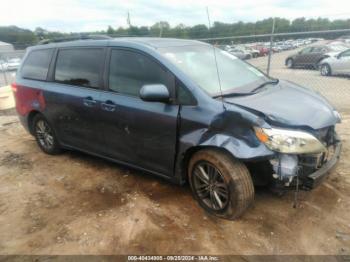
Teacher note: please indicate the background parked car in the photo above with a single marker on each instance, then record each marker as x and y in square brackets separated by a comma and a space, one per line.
[241, 54]
[311, 56]
[13, 64]
[336, 65]
[3, 65]
[248, 50]
[263, 51]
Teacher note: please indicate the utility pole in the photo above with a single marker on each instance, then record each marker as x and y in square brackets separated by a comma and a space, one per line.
[160, 29]
[208, 18]
[128, 19]
[270, 51]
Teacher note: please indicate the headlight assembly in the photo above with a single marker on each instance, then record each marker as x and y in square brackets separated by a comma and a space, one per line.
[289, 141]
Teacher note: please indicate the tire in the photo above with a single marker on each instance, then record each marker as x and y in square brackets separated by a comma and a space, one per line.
[45, 135]
[326, 70]
[248, 57]
[290, 63]
[231, 178]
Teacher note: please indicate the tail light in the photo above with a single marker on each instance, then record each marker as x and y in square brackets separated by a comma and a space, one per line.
[14, 87]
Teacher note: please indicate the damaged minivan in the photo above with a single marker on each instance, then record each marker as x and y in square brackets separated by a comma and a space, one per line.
[180, 109]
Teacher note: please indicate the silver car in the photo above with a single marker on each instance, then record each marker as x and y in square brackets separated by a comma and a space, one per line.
[336, 65]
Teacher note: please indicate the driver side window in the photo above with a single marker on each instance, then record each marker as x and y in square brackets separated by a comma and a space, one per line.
[129, 71]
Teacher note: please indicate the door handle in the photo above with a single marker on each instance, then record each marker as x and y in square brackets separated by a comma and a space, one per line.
[108, 106]
[88, 101]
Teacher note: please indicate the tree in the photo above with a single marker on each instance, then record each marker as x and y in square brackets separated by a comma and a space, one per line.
[110, 30]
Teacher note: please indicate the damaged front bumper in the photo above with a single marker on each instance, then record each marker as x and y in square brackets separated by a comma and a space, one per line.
[315, 178]
[305, 171]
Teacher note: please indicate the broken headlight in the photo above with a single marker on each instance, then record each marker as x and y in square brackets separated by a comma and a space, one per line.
[289, 141]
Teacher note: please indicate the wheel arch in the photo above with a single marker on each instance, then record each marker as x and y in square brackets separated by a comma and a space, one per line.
[235, 148]
[30, 118]
[190, 152]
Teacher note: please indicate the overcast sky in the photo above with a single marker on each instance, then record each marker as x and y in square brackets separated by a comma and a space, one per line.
[90, 15]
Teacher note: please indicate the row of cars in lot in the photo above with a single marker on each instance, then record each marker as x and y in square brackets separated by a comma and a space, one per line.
[332, 58]
[257, 49]
[329, 57]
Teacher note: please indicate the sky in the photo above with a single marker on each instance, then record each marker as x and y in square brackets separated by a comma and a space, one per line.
[95, 15]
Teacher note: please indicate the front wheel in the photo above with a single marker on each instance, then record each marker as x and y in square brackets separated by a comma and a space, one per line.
[290, 63]
[45, 135]
[325, 70]
[220, 184]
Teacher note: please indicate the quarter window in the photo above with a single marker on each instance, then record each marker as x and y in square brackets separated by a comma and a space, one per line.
[81, 67]
[37, 64]
[129, 71]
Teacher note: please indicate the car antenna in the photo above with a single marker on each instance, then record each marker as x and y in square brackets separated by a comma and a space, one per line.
[216, 62]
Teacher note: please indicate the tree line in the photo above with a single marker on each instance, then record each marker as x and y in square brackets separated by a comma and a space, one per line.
[21, 38]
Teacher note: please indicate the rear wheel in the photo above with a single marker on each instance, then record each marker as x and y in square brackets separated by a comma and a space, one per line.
[290, 63]
[45, 135]
[326, 70]
[220, 184]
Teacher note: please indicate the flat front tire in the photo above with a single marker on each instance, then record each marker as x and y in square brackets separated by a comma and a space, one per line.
[45, 135]
[221, 184]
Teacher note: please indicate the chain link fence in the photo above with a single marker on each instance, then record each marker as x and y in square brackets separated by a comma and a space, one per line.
[315, 59]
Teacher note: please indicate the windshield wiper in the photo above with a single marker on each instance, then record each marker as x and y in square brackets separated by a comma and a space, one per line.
[270, 82]
[233, 94]
[252, 92]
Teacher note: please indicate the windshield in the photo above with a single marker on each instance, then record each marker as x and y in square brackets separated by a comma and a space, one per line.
[199, 63]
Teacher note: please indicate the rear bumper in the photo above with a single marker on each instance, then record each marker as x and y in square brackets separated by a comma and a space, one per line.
[314, 179]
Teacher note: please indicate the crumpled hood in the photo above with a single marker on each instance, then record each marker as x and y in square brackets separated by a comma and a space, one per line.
[288, 104]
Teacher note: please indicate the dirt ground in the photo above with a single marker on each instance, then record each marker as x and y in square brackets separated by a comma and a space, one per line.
[77, 204]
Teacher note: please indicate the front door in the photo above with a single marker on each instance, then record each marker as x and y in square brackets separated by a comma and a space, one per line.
[140, 133]
[342, 65]
[303, 57]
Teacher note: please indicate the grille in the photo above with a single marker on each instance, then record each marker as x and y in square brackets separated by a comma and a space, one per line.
[310, 163]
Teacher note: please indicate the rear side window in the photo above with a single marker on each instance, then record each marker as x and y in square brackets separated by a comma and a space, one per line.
[129, 71]
[80, 67]
[37, 64]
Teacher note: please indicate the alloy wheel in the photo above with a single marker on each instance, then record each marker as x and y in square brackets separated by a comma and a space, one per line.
[324, 70]
[210, 186]
[44, 134]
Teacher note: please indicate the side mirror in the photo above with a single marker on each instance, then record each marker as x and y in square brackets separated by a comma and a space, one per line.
[338, 56]
[155, 93]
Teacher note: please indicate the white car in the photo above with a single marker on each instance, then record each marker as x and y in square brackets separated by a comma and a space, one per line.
[13, 64]
[3, 65]
[336, 64]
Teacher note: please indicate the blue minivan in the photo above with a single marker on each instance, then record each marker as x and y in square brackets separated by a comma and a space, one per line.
[180, 109]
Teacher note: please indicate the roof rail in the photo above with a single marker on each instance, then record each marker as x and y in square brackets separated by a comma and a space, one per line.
[74, 38]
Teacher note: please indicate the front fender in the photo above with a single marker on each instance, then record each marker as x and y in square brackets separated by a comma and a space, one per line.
[227, 127]
[245, 148]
